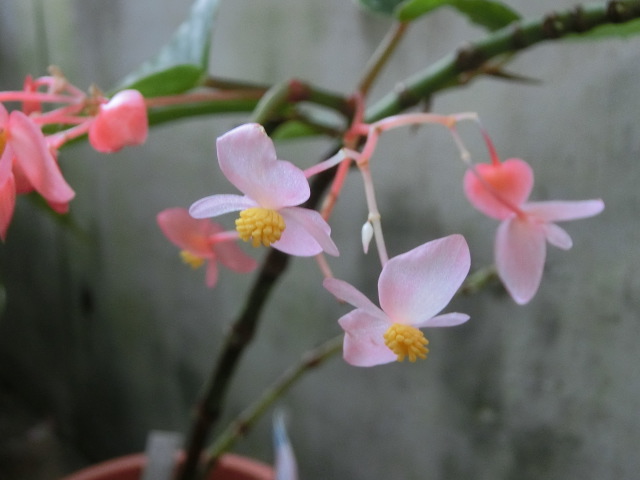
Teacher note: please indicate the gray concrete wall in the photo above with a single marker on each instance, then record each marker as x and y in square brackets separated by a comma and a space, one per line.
[105, 335]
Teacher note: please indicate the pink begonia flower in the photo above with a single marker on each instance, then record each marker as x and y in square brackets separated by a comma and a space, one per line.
[26, 164]
[412, 288]
[272, 189]
[501, 192]
[120, 122]
[197, 238]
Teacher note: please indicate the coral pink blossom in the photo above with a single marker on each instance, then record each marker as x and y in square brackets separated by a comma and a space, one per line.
[120, 122]
[500, 190]
[201, 240]
[26, 164]
[412, 288]
[272, 190]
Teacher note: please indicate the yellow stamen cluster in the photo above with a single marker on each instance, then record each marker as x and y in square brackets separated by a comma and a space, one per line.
[260, 225]
[406, 341]
[190, 259]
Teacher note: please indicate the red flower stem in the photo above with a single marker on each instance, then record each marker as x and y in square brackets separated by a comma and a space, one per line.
[21, 96]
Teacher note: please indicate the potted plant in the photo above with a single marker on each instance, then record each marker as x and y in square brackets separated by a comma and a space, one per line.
[280, 205]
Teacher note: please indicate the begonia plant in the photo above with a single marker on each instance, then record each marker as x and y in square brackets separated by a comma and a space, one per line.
[287, 210]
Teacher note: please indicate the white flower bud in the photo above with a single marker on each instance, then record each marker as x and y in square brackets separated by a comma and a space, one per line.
[367, 235]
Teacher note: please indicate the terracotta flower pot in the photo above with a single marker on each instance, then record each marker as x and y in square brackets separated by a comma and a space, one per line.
[129, 467]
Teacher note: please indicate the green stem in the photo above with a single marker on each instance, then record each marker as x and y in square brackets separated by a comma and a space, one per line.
[246, 419]
[240, 335]
[158, 115]
[232, 84]
[238, 338]
[454, 69]
[273, 105]
[478, 280]
[381, 56]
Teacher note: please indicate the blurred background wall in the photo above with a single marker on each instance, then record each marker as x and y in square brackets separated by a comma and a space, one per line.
[106, 335]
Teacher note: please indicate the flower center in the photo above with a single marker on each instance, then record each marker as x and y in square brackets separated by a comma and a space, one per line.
[406, 341]
[190, 259]
[260, 225]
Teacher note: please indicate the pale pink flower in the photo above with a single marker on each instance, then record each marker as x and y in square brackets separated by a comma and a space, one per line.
[500, 190]
[272, 189]
[412, 289]
[120, 122]
[203, 241]
[26, 164]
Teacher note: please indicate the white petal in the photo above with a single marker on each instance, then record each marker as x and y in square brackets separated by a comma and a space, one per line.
[445, 320]
[248, 159]
[215, 205]
[364, 339]
[306, 233]
[558, 211]
[348, 293]
[520, 251]
[557, 236]
[416, 285]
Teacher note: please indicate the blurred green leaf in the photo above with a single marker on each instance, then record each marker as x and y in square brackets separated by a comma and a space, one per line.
[381, 6]
[294, 129]
[489, 14]
[189, 47]
[621, 30]
[171, 81]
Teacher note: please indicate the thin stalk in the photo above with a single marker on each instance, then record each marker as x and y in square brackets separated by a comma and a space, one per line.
[381, 56]
[240, 335]
[247, 418]
[280, 96]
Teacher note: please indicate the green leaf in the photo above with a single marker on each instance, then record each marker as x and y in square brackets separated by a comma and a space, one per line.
[622, 30]
[171, 81]
[381, 6]
[294, 129]
[487, 13]
[189, 47]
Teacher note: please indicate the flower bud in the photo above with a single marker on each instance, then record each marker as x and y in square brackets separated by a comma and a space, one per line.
[120, 122]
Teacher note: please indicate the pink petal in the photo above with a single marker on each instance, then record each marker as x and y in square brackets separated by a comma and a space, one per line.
[511, 181]
[6, 164]
[418, 284]
[445, 320]
[348, 293]
[7, 203]
[36, 160]
[248, 159]
[121, 122]
[215, 205]
[232, 257]
[520, 251]
[4, 116]
[23, 185]
[558, 211]
[306, 233]
[557, 236]
[363, 341]
[211, 277]
[186, 232]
